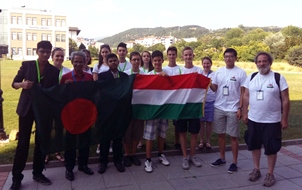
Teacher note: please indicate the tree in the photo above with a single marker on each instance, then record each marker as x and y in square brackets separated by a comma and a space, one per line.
[255, 35]
[233, 37]
[82, 46]
[72, 46]
[138, 47]
[294, 56]
[276, 43]
[94, 52]
[248, 52]
[159, 47]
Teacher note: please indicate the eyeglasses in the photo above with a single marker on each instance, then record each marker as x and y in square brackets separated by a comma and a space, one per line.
[44, 51]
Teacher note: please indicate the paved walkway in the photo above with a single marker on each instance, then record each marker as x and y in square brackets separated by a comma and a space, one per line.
[288, 173]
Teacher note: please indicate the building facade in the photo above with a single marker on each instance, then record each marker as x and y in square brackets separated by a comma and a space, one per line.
[22, 28]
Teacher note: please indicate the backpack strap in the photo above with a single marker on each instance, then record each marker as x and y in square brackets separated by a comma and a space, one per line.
[277, 79]
[253, 75]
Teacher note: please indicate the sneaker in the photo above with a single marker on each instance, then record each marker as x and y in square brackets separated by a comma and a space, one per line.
[185, 163]
[135, 161]
[98, 150]
[148, 166]
[269, 180]
[255, 175]
[127, 161]
[162, 159]
[218, 162]
[42, 179]
[232, 168]
[195, 161]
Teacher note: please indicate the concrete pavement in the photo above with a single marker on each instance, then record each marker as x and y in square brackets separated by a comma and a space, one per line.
[288, 173]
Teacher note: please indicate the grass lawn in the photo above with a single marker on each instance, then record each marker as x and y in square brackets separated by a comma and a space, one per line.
[9, 69]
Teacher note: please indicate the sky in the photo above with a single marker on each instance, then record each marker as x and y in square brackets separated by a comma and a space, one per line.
[99, 18]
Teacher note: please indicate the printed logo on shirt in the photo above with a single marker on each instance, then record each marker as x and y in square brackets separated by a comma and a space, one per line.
[270, 86]
[233, 78]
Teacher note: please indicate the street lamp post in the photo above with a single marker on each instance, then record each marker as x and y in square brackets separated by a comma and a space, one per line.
[2, 132]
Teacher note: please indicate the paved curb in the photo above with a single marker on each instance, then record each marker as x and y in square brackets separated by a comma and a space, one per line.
[141, 155]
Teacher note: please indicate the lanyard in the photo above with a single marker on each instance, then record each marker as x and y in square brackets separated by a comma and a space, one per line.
[179, 71]
[119, 68]
[60, 75]
[118, 74]
[134, 73]
[74, 79]
[38, 72]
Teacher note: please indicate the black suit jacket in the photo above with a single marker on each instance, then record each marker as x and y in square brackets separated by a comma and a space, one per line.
[28, 71]
[108, 75]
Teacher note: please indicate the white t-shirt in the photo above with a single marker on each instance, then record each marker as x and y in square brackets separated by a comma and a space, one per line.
[124, 66]
[103, 68]
[267, 110]
[194, 69]
[171, 71]
[233, 79]
[211, 96]
[63, 72]
[130, 72]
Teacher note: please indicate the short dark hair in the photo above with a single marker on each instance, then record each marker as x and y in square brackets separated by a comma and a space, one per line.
[122, 44]
[135, 53]
[230, 50]
[111, 55]
[44, 45]
[172, 48]
[268, 55]
[157, 53]
[187, 48]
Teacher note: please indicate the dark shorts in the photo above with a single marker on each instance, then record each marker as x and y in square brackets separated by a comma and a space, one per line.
[135, 131]
[267, 134]
[188, 125]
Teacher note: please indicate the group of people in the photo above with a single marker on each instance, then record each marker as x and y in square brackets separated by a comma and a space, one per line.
[257, 100]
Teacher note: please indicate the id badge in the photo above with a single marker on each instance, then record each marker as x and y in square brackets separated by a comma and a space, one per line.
[260, 95]
[225, 90]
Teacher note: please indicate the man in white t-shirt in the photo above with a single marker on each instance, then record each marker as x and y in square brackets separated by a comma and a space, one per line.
[228, 84]
[265, 118]
[173, 69]
[189, 125]
[122, 51]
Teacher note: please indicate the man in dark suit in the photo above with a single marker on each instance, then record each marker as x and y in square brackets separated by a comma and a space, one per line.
[39, 72]
[117, 145]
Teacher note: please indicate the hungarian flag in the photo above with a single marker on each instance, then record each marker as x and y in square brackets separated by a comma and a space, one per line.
[104, 107]
[169, 97]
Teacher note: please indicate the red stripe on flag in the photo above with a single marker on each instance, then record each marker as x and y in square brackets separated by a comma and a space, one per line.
[158, 82]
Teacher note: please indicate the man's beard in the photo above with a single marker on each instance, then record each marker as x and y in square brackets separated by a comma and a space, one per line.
[264, 70]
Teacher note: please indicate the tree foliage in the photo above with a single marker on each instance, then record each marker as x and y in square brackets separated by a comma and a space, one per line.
[94, 52]
[72, 46]
[294, 56]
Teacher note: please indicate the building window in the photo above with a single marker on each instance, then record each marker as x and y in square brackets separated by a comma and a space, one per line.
[62, 37]
[29, 51]
[29, 37]
[57, 37]
[44, 36]
[34, 51]
[19, 20]
[63, 23]
[35, 36]
[14, 51]
[49, 37]
[20, 51]
[19, 36]
[28, 21]
[34, 21]
[48, 22]
[14, 20]
[14, 36]
[43, 21]
[58, 23]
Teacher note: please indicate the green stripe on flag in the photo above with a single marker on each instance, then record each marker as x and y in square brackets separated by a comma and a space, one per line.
[167, 111]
